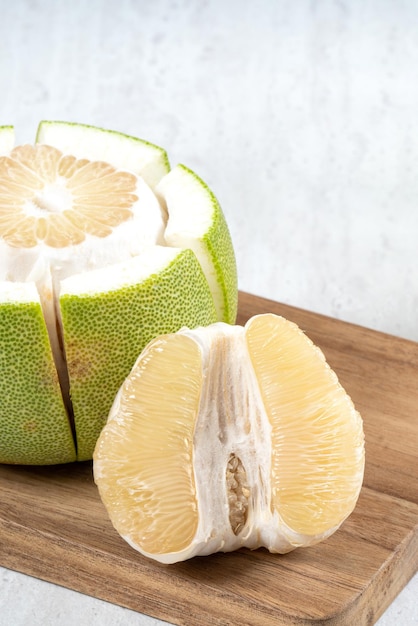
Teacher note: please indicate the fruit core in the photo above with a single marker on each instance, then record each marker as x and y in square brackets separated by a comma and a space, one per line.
[238, 493]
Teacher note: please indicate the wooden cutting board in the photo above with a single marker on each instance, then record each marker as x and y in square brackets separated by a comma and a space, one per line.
[53, 525]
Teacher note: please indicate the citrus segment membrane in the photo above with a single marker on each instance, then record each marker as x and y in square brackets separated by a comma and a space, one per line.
[263, 447]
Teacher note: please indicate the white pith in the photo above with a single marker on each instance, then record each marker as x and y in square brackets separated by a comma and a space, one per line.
[152, 260]
[18, 292]
[190, 216]
[54, 198]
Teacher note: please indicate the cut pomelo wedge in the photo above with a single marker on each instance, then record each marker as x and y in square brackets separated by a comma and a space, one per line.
[196, 221]
[122, 151]
[226, 437]
[33, 417]
[81, 227]
[144, 296]
[7, 139]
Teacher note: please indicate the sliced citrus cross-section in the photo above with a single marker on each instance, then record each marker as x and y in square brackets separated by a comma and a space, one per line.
[58, 200]
[226, 437]
[81, 225]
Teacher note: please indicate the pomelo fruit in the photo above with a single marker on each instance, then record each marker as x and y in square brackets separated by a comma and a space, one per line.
[100, 251]
[227, 436]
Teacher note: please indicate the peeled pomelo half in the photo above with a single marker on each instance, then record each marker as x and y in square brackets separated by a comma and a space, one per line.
[226, 437]
[83, 252]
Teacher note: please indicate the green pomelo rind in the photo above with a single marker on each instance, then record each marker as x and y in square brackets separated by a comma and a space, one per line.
[104, 333]
[213, 247]
[92, 142]
[34, 426]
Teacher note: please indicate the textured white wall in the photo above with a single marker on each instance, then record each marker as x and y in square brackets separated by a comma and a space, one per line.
[301, 115]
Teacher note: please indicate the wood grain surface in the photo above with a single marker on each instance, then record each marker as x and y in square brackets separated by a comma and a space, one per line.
[53, 525]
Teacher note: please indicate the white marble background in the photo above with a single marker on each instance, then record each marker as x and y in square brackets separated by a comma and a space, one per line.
[303, 118]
